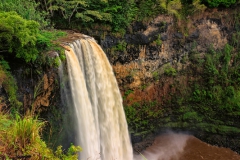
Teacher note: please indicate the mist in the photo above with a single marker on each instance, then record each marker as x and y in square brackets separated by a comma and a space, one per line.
[168, 146]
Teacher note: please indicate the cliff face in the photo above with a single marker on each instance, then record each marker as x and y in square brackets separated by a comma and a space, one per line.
[163, 40]
[162, 44]
[154, 66]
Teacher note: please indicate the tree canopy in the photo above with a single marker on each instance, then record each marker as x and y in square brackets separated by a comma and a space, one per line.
[18, 35]
[216, 3]
[27, 9]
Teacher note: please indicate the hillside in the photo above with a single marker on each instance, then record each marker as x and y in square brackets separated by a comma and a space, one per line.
[176, 64]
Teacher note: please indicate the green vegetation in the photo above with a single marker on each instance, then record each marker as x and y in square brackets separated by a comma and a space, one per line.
[47, 41]
[128, 92]
[9, 84]
[170, 71]
[23, 39]
[142, 116]
[117, 14]
[172, 7]
[213, 96]
[18, 36]
[155, 75]
[220, 84]
[158, 41]
[27, 33]
[21, 136]
[178, 8]
[216, 3]
[209, 101]
[121, 46]
[27, 9]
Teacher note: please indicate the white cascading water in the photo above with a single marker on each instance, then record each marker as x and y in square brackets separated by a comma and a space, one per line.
[99, 115]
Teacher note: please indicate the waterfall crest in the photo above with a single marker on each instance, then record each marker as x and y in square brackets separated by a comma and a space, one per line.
[100, 121]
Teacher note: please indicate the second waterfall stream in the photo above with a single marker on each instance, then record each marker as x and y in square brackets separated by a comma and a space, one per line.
[99, 118]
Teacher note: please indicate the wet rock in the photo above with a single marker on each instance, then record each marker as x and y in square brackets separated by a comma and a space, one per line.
[164, 37]
[140, 39]
[194, 35]
[138, 26]
[178, 35]
[136, 138]
[140, 144]
[53, 54]
[216, 20]
[152, 53]
[109, 42]
[44, 98]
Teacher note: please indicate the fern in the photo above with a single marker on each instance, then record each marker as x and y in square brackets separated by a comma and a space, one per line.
[84, 17]
[198, 7]
[173, 7]
[96, 14]
[91, 16]
[163, 4]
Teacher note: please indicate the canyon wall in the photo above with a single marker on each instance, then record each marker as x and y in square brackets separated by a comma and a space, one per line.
[154, 63]
[154, 66]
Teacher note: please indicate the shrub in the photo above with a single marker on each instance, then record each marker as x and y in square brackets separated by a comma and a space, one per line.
[26, 9]
[9, 84]
[170, 71]
[141, 117]
[18, 36]
[216, 3]
[22, 137]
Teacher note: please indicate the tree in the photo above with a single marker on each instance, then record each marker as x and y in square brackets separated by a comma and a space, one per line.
[123, 13]
[67, 8]
[80, 9]
[18, 36]
[28, 9]
[115, 13]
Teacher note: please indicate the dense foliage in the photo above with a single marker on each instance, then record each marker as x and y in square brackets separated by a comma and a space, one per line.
[23, 35]
[118, 15]
[218, 92]
[113, 15]
[216, 3]
[20, 137]
[18, 35]
[27, 9]
[83, 13]
[210, 101]
[9, 84]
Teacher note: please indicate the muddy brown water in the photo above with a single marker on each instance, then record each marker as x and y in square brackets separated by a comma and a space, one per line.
[185, 147]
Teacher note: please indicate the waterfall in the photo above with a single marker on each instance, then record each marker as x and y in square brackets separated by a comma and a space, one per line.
[99, 119]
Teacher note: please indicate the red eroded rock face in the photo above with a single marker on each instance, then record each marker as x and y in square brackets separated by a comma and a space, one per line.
[185, 147]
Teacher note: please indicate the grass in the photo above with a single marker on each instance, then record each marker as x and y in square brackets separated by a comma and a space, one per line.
[21, 137]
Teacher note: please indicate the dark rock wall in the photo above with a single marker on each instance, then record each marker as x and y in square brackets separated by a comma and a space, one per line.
[141, 56]
[139, 59]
